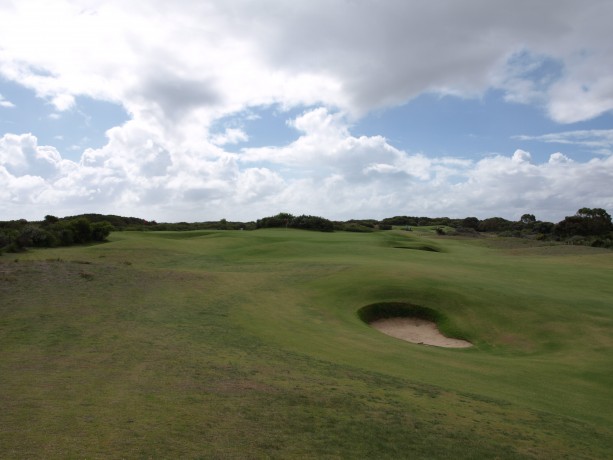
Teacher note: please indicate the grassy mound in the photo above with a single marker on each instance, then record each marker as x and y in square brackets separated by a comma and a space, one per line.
[238, 344]
[420, 247]
[385, 310]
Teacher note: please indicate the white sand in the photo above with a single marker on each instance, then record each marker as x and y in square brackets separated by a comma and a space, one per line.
[417, 331]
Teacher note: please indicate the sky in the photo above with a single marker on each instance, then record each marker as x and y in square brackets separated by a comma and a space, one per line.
[199, 110]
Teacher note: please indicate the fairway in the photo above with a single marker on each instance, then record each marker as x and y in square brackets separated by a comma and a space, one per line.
[248, 344]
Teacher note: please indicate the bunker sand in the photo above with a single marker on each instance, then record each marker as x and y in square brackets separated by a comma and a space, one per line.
[419, 331]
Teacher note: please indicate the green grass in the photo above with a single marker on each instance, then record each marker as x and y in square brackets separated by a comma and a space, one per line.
[248, 345]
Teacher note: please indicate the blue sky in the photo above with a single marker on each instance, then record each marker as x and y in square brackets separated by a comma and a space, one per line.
[473, 128]
[70, 131]
[342, 109]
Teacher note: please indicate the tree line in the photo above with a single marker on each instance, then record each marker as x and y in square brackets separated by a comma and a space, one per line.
[303, 222]
[17, 235]
[588, 226]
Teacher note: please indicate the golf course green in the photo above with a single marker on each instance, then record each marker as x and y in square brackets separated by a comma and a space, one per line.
[250, 344]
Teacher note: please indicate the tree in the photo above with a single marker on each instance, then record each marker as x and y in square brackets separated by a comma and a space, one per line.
[312, 223]
[470, 222]
[283, 219]
[586, 222]
[595, 213]
[495, 224]
[305, 222]
[528, 219]
[543, 227]
[49, 219]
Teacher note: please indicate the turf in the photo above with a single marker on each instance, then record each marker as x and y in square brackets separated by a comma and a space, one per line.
[237, 344]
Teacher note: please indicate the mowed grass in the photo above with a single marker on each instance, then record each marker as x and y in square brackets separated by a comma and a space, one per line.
[247, 345]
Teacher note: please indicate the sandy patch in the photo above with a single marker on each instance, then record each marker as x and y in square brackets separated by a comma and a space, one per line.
[417, 331]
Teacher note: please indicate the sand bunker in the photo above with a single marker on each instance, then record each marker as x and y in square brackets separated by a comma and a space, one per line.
[417, 330]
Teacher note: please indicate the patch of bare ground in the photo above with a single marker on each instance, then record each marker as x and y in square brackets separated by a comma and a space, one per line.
[418, 331]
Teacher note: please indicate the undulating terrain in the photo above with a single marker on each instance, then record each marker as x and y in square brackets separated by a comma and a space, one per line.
[247, 344]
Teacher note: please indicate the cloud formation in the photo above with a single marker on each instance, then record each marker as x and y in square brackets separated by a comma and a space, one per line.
[356, 56]
[597, 140]
[177, 69]
[5, 103]
[326, 171]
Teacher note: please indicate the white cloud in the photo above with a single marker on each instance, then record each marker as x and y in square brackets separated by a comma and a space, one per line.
[230, 136]
[326, 171]
[559, 158]
[521, 156]
[597, 140]
[205, 59]
[6, 103]
[179, 69]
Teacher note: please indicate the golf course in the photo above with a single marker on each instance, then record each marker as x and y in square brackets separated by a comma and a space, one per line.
[256, 344]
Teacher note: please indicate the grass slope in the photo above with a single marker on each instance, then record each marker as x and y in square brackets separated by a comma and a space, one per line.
[248, 344]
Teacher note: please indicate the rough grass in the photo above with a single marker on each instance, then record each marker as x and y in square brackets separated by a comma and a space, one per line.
[248, 344]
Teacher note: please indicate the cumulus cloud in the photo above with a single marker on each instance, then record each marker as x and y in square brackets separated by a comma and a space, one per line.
[21, 155]
[325, 171]
[230, 136]
[223, 57]
[179, 69]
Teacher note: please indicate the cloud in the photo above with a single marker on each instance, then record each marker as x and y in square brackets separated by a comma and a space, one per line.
[597, 140]
[230, 136]
[5, 103]
[177, 70]
[326, 171]
[21, 155]
[211, 58]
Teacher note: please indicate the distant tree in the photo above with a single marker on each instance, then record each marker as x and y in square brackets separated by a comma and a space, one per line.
[544, 228]
[586, 222]
[401, 220]
[495, 224]
[50, 220]
[445, 221]
[597, 220]
[312, 223]
[305, 222]
[595, 213]
[470, 222]
[528, 219]
[283, 219]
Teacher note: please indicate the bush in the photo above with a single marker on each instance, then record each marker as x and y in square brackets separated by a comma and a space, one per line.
[81, 229]
[357, 228]
[100, 230]
[303, 222]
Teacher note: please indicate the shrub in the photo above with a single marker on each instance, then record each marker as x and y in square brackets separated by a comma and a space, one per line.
[100, 230]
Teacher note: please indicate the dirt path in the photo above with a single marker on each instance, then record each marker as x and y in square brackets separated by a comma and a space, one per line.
[417, 331]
